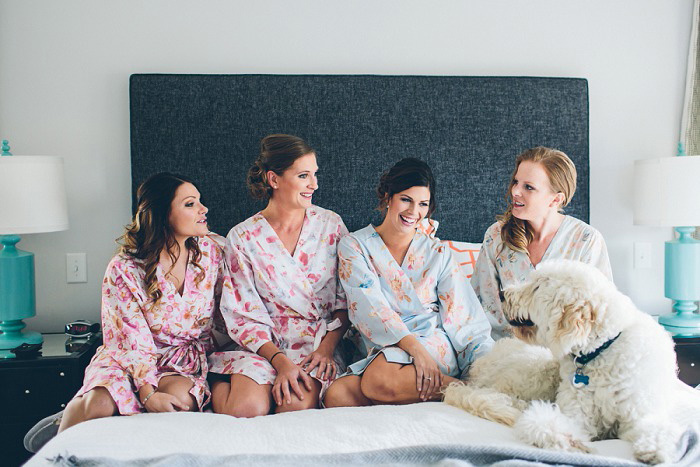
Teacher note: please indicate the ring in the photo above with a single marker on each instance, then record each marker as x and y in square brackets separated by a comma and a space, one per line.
[427, 378]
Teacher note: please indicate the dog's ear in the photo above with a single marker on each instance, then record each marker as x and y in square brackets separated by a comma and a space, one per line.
[575, 324]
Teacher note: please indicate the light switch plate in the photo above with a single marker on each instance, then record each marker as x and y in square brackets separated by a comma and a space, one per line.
[76, 267]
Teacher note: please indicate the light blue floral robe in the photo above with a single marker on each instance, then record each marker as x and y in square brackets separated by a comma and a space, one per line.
[426, 296]
[499, 268]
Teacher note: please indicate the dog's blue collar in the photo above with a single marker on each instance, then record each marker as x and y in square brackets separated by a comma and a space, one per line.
[583, 359]
[579, 379]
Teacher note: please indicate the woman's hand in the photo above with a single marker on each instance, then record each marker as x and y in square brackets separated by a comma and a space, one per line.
[287, 381]
[428, 375]
[322, 359]
[164, 402]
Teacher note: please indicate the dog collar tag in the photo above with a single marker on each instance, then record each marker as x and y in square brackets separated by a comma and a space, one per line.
[579, 380]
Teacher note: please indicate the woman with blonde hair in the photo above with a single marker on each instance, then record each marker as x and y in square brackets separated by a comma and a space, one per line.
[533, 229]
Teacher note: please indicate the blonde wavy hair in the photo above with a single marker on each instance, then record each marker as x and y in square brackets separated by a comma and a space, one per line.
[561, 172]
[150, 231]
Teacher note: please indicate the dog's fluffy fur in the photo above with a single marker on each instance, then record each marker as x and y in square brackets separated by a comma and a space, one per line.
[574, 310]
[504, 381]
[570, 308]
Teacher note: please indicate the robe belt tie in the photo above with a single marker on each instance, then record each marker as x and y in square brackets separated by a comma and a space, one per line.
[188, 358]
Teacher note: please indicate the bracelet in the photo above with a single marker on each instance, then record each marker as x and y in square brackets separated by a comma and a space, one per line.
[274, 355]
[145, 399]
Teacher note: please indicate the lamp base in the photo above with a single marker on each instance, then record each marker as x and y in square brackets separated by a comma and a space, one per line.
[684, 322]
[13, 336]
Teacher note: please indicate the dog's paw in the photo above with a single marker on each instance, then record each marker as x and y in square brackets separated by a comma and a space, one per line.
[543, 425]
[653, 440]
[655, 448]
[486, 403]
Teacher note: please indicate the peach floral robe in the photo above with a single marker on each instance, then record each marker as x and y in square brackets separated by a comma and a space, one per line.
[142, 343]
[425, 296]
[279, 297]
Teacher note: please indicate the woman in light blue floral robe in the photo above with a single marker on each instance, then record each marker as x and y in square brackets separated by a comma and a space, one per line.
[421, 324]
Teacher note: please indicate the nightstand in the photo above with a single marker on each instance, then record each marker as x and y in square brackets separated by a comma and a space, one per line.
[31, 389]
[688, 355]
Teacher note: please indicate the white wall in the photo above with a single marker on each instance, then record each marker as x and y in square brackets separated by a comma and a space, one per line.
[64, 68]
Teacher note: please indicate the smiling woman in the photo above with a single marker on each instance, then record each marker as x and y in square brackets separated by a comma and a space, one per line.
[287, 313]
[533, 229]
[159, 294]
[421, 323]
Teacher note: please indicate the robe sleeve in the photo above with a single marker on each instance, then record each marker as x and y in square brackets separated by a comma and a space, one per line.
[487, 285]
[368, 308]
[340, 297]
[461, 314]
[596, 254]
[247, 320]
[125, 329]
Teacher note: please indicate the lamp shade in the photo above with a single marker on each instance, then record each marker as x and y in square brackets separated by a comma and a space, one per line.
[667, 191]
[32, 195]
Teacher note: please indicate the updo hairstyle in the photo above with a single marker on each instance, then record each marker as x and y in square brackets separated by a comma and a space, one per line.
[277, 153]
[405, 174]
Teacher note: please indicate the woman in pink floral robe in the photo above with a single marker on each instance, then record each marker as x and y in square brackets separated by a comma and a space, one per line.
[286, 312]
[158, 300]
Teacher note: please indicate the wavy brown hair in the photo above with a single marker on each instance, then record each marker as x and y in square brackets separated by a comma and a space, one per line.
[561, 172]
[150, 231]
[277, 153]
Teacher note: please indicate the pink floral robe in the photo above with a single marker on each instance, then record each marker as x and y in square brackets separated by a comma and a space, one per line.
[141, 343]
[277, 297]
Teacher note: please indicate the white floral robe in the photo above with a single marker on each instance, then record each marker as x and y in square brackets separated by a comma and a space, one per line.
[142, 343]
[278, 297]
[425, 296]
[494, 272]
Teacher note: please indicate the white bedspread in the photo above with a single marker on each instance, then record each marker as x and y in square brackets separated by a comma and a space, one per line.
[340, 430]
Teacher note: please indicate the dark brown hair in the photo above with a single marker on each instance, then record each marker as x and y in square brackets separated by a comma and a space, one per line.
[277, 153]
[406, 173]
[150, 231]
[561, 172]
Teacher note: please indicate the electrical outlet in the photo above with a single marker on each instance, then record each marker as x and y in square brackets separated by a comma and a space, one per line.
[642, 255]
[76, 267]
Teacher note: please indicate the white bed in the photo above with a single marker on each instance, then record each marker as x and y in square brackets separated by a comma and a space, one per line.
[422, 433]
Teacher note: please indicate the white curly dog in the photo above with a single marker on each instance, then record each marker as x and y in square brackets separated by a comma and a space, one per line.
[616, 366]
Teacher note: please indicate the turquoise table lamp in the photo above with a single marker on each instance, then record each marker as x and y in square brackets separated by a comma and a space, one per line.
[33, 194]
[667, 193]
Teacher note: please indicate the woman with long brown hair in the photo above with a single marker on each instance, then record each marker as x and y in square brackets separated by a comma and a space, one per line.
[158, 298]
[533, 229]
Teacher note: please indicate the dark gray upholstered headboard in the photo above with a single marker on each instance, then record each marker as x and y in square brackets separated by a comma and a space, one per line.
[469, 129]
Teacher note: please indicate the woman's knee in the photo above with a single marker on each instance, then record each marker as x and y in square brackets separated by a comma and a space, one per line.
[245, 407]
[336, 395]
[344, 393]
[379, 386]
[98, 403]
[310, 402]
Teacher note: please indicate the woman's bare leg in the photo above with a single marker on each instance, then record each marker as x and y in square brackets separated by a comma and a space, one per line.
[394, 383]
[242, 397]
[346, 392]
[96, 403]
